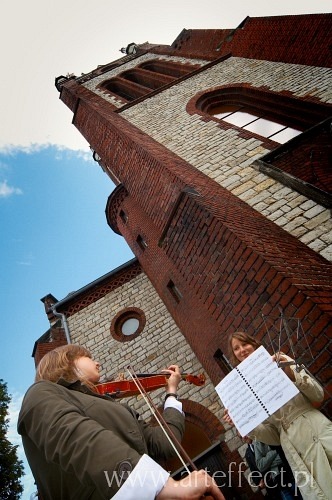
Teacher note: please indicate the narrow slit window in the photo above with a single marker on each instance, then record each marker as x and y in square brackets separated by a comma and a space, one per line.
[123, 216]
[175, 292]
[141, 242]
[222, 361]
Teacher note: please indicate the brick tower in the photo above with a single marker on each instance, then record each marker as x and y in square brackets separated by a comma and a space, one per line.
[220, 149]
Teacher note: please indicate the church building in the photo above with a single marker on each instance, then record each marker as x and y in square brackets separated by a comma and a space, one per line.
[220, 149]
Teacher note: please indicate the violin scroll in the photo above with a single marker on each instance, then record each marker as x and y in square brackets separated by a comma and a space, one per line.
[198, 380]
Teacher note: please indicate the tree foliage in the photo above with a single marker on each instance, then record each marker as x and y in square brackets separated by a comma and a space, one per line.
[11, 468]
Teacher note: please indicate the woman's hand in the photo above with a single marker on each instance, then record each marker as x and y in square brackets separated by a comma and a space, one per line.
[279, 357]
[192, 487]
[227, 418]
[174, 379]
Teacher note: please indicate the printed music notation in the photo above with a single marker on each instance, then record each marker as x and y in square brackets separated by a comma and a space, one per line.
[254, 390]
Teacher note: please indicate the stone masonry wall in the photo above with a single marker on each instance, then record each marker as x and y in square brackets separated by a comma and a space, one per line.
[230, 159]
[159, 345]
[93, 84]
[226, 157]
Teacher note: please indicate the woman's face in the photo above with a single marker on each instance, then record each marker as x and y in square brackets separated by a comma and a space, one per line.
[241, 349]
[89, 369]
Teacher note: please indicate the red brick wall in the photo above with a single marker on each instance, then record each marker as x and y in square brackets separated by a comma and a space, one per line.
[231, 265]
[311, 159]
[229, 262]
[58, 340]
[293, 39]
[303, 39]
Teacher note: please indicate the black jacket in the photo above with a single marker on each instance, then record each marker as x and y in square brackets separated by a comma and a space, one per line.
[71, 438]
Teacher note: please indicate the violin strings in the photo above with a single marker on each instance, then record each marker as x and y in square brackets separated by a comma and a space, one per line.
[159, 418]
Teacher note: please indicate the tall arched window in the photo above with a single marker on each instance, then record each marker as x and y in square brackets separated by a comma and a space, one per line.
[170, 68]
[261, 112]
[145, 78]
[256, 121]
[305, 163]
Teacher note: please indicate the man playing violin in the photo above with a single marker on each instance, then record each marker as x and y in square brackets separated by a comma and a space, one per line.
[84, 445]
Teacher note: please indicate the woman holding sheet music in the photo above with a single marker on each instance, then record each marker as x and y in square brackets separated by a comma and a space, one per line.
[304, 433]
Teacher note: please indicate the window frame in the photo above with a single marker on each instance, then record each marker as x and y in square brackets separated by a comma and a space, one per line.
[308, 114]
[284, 108]
[121, 317]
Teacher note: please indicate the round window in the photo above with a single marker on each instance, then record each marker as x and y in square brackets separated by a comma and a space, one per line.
[130, 326]
[127, 324]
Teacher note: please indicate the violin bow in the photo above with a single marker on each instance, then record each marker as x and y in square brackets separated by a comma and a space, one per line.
[172, 439]
[176, 445]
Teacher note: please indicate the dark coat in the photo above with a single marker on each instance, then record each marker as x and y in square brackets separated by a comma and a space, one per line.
[255, 475]
[71, 438]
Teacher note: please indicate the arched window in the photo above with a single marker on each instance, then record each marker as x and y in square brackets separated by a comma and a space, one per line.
[261, 112]
[253, 120]
[170, 68]
[304, 164]
[119, 87]
[145, 78]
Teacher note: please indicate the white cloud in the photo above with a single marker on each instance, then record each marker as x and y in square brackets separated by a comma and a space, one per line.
[12, 149]
[6, 190]
[62, 152]
[49, 39]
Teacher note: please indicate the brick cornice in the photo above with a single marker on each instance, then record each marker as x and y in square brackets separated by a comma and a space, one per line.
[97, 291]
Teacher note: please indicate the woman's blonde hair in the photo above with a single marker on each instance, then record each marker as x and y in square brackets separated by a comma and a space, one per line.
[60, 364]
[242, 337]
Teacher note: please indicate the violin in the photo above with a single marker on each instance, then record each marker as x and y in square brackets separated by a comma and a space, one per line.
[127, 388]
[145, 383]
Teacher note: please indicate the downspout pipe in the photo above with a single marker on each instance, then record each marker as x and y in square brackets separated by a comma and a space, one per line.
[63, 321]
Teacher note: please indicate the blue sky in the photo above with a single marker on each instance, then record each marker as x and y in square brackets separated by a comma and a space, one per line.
[54, 239]
[54, 235]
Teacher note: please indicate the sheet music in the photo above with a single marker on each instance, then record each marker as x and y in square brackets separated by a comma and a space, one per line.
[254, 390]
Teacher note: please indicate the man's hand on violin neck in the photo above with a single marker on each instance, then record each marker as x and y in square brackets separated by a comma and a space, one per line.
[174, 378]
